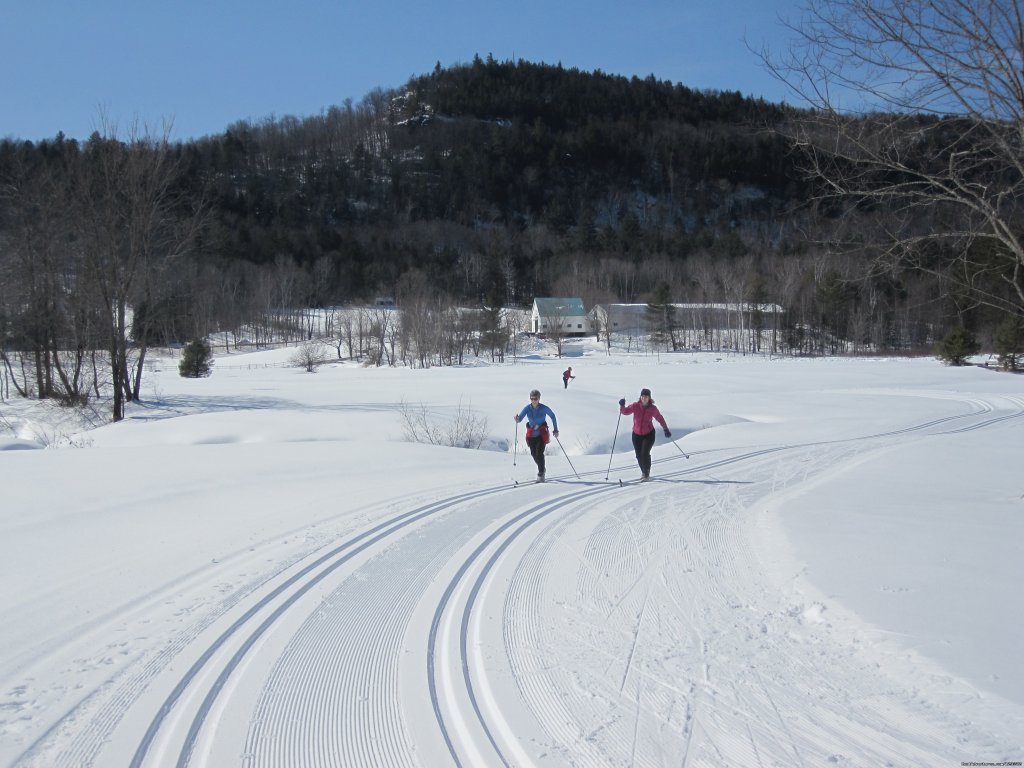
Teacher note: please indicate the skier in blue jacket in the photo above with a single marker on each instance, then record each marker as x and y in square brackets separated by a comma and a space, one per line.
[536, 414]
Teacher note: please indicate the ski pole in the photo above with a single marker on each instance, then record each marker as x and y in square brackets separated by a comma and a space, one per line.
[515, 445]
[680, 449]
[613, 445]
[567, 457]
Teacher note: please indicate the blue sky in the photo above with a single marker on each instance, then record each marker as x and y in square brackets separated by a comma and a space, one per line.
[204, 65]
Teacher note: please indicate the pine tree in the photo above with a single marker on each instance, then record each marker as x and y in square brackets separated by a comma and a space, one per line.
[196, 360]
[1009, 342]
[956, 346]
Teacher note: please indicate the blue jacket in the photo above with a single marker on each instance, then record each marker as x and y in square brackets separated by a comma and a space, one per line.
[535, 416]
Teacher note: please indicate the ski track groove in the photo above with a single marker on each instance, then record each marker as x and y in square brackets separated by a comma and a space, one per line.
[105, 707]
[589, 719]
[521, 625]
[303, 581]
[361, 652]
[505, 536]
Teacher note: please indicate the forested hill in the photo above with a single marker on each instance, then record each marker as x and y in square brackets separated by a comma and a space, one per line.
[491, 177]
[550, 144]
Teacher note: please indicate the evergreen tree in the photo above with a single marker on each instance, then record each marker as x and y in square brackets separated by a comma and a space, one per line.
[196, 360]
[956, 346]
[1009, 342]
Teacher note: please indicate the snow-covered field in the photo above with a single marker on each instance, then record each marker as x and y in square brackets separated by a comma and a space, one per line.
[255, 569]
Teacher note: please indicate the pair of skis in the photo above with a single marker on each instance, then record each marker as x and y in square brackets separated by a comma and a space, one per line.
[516, 483]
[622, 483]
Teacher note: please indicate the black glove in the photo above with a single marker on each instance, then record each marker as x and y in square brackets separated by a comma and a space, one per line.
[622, 402]
[667, 433]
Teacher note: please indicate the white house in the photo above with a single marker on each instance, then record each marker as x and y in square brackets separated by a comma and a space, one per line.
[565, 316]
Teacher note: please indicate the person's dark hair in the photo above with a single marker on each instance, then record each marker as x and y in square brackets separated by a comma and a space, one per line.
[535, 393]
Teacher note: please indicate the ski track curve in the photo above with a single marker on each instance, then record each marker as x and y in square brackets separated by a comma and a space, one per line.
[577, 624]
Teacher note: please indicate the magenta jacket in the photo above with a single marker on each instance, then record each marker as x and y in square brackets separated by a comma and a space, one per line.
[643, 418]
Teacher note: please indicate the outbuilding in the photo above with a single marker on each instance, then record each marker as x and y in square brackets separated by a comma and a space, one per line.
[562, 316]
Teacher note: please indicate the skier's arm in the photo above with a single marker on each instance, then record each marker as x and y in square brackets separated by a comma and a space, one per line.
[554, 420]
[661, 420]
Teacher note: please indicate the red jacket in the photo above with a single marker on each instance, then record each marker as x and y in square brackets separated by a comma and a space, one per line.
[643, 418]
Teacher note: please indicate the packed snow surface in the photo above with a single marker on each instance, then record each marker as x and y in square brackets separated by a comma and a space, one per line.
[258, 569]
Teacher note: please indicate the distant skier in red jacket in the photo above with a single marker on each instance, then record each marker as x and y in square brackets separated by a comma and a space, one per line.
[645, 413]
[566, 375]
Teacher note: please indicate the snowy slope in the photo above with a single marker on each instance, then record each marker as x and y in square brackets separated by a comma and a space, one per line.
[255, 569]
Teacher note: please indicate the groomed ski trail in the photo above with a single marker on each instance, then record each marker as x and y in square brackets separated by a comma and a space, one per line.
[573, 623]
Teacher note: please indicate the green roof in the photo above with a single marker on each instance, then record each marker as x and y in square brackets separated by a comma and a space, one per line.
[563, 307]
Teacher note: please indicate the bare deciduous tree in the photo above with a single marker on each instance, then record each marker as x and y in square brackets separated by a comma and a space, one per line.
[917, 124]
[461, 428]
[383, 330]
[517, 321]
[420, 321]
[36, 265]
[309, 355]
[130, 221]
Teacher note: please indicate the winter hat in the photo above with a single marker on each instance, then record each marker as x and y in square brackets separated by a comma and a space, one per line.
[645, 391]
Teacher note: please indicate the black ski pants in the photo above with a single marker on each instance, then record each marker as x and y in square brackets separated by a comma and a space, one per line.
[643, 444]
[536, 444]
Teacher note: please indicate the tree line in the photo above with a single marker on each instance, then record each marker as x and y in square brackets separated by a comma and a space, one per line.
[488, 183]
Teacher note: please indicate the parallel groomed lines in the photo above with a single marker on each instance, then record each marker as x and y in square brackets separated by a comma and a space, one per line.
[521, 627]
[527, 522]
[982, 408]
[113, 700]
[346, 654]
[718, 534]
[245, 636]
[995, 420]
[488, 566]
[501, 537]
[289, 592]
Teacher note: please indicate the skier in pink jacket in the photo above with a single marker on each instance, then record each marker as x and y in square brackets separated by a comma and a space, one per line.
[645, 413]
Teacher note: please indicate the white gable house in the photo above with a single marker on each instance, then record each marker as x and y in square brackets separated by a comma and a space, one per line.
[562, 316]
